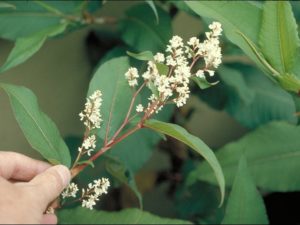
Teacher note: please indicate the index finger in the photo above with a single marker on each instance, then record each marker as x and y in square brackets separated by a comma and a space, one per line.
[20, 167]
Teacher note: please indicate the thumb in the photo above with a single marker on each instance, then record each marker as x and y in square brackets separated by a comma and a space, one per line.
[49, 184]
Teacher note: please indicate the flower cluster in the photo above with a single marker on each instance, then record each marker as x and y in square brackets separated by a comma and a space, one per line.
[91, 114]
[88, 145]
[168, 75]
[70, 191]
[91, 195]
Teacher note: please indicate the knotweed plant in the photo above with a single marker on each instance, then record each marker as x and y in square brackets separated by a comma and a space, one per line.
[168, 77]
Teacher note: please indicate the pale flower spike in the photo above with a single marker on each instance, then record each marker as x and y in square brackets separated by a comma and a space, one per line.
[70, 191]
[91, 195]
[91, 115]
[180, 58]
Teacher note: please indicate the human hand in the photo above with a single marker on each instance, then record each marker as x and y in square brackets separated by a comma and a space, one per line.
[27, 186]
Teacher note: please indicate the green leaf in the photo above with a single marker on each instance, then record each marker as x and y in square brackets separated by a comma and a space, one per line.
[118, 170]
[238, 86]
[203, 83]
[126, 216]
[153, 7]
[110, 80]
[7, 5]
[136, 149]
[279, 40]
[269, 102]
[195, 143]
[29, 17]
[270, 150]
[39, 130]
[140, 31]
[25, 47]
[144, 56]
[162, 68]
[245, 205]
[250, 97]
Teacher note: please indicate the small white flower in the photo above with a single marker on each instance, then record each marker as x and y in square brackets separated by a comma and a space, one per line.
[91, 114]
[170, 61]
[89, 142]
[131, 75]
[139, 108]
[159, 57]
[200, 74]
[210, 72]
[70, 191]
[176, 42]
[93, 192]
[194, 42]
[216, 27]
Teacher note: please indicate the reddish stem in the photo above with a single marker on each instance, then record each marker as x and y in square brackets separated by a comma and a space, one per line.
[125, 122]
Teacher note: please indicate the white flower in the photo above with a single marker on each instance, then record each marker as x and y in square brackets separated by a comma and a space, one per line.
[170, 61]
[200, 74]
[216, 27]
[90, 142]
[159, 57]
[210, 72]
[176, 42]
[194, 42]
[132, 75]
[139, 108]
[93, 192]
[172, 85]
[70, 191]
[91, 114]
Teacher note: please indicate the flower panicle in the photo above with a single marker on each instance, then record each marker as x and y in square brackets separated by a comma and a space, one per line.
[90, 195]
[179, 58]
[91, 115]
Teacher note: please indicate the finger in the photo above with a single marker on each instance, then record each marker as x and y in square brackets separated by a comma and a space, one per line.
[49, 219]
[20, 167]
[49, 184]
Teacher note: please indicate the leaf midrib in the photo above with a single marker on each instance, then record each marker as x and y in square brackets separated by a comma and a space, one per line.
[35, 122]
[113, 102]
[280, 37]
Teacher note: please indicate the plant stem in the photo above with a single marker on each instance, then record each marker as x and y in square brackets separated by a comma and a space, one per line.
[125, 122]
[77, 169]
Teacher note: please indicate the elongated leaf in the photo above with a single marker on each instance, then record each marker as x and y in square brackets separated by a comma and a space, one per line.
[237, 84]
[25, 47]
[29, 17]
[271, 150]
[250, 97]
[110, 79]
[269, 103]
[145, 56]
[195, 143]
[38, 128]
[153, 7]
[245, 205]
[140, 31]
[279, 40]
[203, 83]
[7, 5]
[126, 216]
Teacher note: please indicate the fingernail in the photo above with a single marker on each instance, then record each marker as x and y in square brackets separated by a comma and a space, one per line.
[64, 173]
